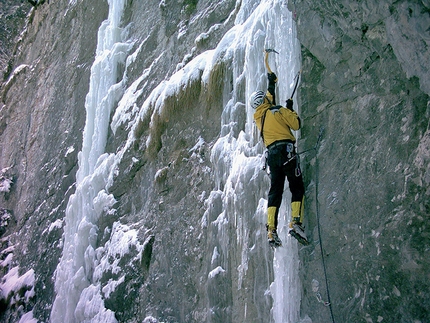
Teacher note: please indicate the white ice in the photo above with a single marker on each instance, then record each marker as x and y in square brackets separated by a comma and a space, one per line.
[78, 295]
[28, 318]
[237, 159]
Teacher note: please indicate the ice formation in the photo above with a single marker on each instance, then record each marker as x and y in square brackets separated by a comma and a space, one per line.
[78, 295]
[236, 158]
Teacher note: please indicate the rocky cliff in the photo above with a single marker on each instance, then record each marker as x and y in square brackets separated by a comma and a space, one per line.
[365, 82]
[131, 183]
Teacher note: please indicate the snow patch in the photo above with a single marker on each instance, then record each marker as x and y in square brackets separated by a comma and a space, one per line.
[5, 180]
[122, 241]
[215, 255]
[15, 73]
[13, 285]
[162, 4]
[28, 318]
[7, 261]
[150, 319]
[70, 150]
[57, 224]
[111, 286]
[5, 217]
[218, 270]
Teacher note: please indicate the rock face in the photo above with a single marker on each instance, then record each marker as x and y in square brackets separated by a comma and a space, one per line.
[12, 20]
[41, 129]
[365, 82]
[179, 233]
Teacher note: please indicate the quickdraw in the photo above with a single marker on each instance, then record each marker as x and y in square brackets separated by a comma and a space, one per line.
[315, 289]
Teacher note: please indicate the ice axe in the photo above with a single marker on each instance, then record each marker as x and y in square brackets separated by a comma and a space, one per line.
[296, 78]
[266, 58]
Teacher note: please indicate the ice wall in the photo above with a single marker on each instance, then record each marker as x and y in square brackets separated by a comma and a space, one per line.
[78, 295]
[237, 159]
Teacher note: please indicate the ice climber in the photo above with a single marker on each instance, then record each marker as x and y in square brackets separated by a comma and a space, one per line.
[275, 123]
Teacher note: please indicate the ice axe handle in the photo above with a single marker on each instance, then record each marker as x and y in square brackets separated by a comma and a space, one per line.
[295, 86]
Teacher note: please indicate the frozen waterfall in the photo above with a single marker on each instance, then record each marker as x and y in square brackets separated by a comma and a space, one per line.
[267, 25]
[236, 158]
[77, 292]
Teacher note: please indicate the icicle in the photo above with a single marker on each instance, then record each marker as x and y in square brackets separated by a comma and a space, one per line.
[286, 288]
[74, 287]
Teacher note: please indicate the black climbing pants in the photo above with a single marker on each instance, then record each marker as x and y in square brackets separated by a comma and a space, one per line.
[282, 166]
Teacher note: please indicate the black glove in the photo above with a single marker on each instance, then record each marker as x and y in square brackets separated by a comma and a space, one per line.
[290, 104]
[272, 77]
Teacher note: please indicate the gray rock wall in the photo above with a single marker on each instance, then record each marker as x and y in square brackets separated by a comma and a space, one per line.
[365, 82]
[41, 123]
[12, 19]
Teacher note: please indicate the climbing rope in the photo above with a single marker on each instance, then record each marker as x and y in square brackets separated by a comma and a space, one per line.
[317, 294]
[315, 286]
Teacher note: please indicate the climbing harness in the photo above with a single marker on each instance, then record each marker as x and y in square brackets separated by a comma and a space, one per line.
[296, 156]
[291, 157]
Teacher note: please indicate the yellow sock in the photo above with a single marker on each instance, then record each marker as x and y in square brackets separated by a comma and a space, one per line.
[297, 211]
[302, 210]
[271, 212]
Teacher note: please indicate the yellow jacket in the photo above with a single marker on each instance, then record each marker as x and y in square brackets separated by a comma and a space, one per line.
[278, 123]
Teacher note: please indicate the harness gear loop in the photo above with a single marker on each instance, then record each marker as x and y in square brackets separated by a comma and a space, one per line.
[293, 155]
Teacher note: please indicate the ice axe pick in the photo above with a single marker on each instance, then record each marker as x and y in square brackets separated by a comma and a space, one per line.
[270, 50]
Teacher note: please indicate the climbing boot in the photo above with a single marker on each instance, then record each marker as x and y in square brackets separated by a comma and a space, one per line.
[272, 235]
[273, 238]
[296, 220]
[297, 231]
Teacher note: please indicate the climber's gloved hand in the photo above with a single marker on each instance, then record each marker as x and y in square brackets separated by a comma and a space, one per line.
[289, 104]
[272, 77]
